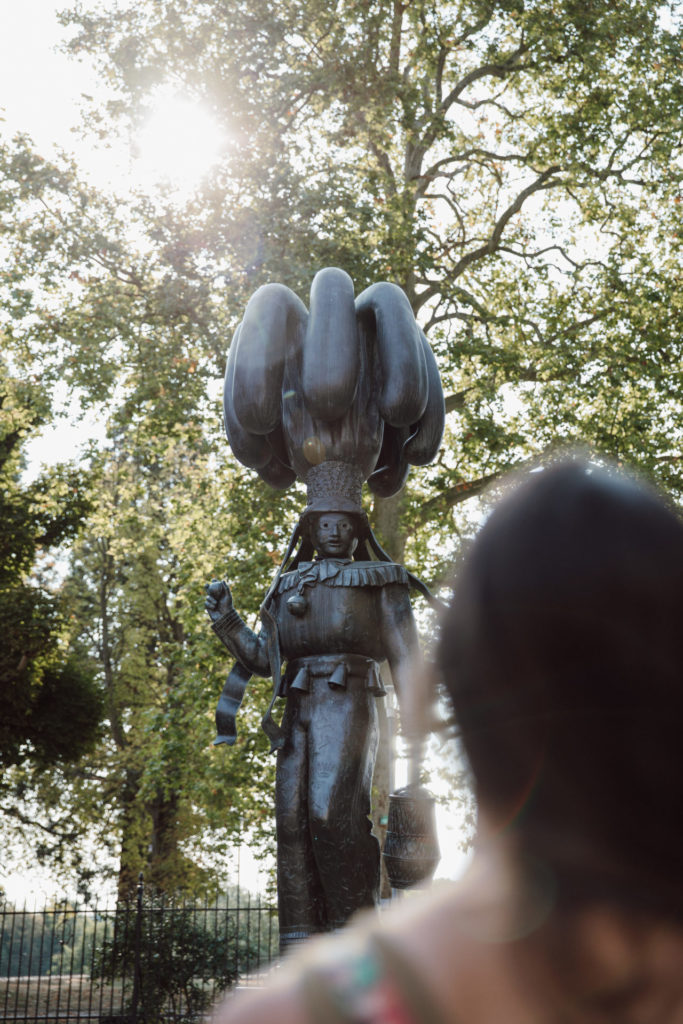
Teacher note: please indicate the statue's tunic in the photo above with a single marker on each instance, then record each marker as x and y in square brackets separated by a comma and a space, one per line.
[336, 621]
[341, 614]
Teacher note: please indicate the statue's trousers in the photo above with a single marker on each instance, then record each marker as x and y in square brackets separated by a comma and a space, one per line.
[328, 859]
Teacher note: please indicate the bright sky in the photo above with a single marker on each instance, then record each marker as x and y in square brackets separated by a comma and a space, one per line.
[40, 93]
[39, 88]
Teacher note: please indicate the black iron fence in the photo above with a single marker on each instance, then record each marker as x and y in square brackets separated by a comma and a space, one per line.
[149, 961]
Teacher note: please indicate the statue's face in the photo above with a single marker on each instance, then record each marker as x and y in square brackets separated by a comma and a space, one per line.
[334, 535]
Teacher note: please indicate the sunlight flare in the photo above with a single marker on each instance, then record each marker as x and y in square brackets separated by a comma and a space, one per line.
[179, 142]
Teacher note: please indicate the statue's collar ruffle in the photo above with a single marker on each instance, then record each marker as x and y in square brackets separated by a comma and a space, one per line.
[342, 572]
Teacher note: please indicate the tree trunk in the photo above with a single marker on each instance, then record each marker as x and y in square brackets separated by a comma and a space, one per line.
[163, 862]
[131, 859]
[388, 526]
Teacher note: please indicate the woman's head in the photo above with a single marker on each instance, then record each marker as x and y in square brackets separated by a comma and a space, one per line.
[563, 655]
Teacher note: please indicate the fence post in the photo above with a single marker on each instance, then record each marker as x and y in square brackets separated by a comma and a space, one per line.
[136, 955]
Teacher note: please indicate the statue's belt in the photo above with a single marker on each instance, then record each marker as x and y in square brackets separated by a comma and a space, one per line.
[338, 669]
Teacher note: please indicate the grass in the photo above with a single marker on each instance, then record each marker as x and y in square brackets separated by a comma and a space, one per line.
[59, 998]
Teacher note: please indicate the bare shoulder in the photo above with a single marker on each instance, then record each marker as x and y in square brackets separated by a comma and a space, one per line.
[280, 1001]
[424, 930]
[411, 926]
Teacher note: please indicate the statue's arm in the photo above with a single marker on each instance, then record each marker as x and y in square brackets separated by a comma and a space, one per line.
[248, 647]
[399, 636]
[402, 650]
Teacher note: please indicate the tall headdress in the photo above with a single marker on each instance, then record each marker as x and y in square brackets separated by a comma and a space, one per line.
[344, 392]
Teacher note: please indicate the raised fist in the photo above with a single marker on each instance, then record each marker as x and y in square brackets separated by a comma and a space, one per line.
[218, 599]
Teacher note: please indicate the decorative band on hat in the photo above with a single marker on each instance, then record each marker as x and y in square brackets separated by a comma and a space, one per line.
[334, 487]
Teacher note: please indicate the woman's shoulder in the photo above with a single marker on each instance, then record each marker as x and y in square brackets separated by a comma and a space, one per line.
[378, 969]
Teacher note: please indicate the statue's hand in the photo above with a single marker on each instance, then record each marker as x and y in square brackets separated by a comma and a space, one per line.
[218, 599]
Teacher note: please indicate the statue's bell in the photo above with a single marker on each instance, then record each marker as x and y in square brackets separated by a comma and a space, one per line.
[297, 604]
[411, 849]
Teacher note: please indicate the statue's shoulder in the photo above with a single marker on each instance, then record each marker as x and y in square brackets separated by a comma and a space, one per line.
[287, 581]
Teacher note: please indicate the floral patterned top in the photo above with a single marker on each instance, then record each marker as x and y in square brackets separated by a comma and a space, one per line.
[367, 983]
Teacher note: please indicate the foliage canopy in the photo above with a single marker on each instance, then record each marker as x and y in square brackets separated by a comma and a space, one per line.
[50, 705]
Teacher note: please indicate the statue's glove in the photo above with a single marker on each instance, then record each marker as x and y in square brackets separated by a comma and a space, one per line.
[218, 599]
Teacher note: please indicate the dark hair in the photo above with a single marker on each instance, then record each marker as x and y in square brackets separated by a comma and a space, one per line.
[563, 654]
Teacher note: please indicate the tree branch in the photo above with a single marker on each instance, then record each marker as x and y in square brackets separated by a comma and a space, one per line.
[456, 401]
[493, 242]
[50, 829]
[497, 70]
[458, 493]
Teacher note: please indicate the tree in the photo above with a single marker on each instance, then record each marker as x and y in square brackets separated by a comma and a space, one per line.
[511, 164]
[131, 590]
[136, 588]
[49, 706]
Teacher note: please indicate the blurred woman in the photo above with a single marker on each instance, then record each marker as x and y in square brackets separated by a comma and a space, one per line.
[562, 652]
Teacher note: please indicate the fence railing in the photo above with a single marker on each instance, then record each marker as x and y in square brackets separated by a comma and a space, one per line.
[149, 960]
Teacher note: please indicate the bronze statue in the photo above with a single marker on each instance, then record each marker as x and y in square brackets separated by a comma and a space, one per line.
[347, 393]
